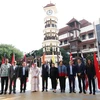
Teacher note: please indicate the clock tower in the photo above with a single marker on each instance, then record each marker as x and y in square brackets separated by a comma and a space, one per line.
[51, 43]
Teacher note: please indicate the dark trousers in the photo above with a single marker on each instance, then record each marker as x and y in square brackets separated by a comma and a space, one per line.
[71, 83]
[91, 80]
[12, 80]
[4, 81]
[62, 83]
[23, 83]
[54, 83]
[81, 78]
[44, 81]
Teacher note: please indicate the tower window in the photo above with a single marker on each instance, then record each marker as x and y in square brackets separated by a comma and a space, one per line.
[48, 25]
[53, 25]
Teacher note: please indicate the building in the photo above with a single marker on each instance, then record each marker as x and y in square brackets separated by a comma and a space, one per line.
[80, 37]
[51, 42]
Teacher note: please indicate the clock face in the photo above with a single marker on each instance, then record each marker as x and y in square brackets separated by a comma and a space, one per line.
[49, 12]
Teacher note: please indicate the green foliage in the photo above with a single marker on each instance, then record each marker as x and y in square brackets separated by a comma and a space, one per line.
[65, 56]
[90, 56]
[8, 50]
[39, 52]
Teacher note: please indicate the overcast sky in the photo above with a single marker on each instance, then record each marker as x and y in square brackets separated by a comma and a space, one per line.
[22, 21]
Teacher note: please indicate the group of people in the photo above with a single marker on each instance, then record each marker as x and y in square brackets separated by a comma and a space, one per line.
[10, 73]
[81, 70]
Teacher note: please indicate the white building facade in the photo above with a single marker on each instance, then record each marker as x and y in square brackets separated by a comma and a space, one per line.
[88, 35]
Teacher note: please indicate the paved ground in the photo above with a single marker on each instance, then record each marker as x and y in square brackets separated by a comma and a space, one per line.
[48, 95]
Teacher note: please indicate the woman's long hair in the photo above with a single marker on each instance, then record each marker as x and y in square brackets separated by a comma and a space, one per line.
[87, 64]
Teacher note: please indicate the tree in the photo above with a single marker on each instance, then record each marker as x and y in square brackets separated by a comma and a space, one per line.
[65, 56]
[8, 50]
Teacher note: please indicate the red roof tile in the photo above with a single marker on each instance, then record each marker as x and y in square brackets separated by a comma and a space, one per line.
[64, 30]
[49, 5]
[84, 23]
[72, 20]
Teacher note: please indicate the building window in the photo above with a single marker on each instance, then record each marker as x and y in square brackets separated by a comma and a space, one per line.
[90, 35]
[56, 26]
[91, 45]
[83, 37]
[60, 42]
[48, 25]
[84, 46]
[65, 41]
[53, 25]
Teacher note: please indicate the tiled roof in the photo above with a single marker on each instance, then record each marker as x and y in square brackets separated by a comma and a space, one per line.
[72, 20]
[49, 5]
[64, 30]
[83, 23]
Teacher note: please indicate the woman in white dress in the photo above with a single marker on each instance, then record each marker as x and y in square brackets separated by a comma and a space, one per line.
[34, 78]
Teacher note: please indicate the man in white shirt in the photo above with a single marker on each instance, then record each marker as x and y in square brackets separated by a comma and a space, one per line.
[71, 72]
[23, 75]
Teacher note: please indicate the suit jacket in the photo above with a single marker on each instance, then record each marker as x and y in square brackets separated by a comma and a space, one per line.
[13, 72]
[53, 72]
[45, 71]
[90, 70]
[21, 72]
[73, 70]
[81, 69]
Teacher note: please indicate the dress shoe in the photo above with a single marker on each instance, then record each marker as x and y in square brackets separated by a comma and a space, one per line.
[74, 92]
[84, 92]
[70, 92]
[20, 91]
[80, 91]
[14, 92]
[93, 93]
[24, 91]
[90, 93]
[54, 91]
[42, 91]
[9, 92]
[46, 90]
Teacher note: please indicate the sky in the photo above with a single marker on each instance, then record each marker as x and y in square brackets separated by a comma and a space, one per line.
[22, 21]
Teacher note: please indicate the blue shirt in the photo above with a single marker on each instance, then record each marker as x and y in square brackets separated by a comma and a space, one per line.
[71, 70]
[23, 70]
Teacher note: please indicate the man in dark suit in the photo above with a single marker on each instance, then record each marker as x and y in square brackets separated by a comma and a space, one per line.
[44, 75]
[71, 72]
[23, 75]
[81, 75]
[13, 75]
